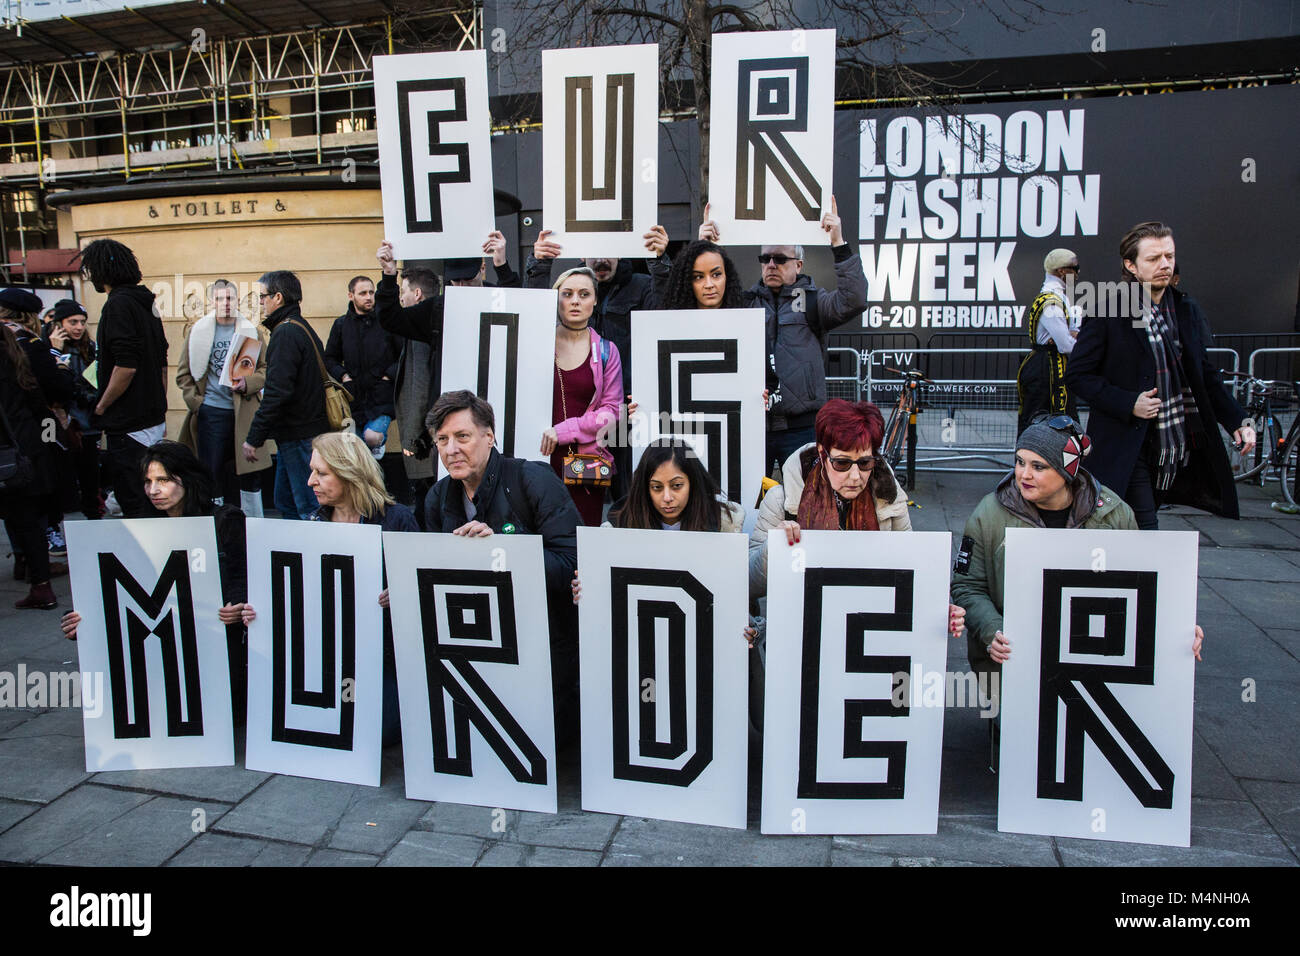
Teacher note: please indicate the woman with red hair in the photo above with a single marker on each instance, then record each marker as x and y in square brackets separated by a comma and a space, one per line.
[835, 484]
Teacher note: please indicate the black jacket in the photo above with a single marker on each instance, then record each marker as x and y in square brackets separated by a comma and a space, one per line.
[422, 322]
[527, 495]
[24, 410]
[358, 346]
[1110, 364]
[130, 335]
[798, 319]
[625, 292]
[293, 398]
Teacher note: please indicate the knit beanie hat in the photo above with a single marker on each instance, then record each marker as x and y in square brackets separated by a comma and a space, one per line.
[1062, 446]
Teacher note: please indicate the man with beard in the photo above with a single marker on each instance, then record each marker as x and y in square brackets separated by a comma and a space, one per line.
[620, 291]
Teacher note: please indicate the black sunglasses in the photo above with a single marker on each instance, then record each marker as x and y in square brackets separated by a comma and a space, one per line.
[1063, 423]
[778, 259]
[844, 464]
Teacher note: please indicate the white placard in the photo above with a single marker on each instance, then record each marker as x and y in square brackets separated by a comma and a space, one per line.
[155, 678]
[472, 640]
[772, 116]
[435, 156]
[500, 344]
[849, 746]
[315, 707]
[703, 369]
[241, 358]
[665, 674]
[1097, 695]
[600, 148]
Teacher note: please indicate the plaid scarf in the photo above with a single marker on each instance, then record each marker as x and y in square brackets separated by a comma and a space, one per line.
[1176, 398]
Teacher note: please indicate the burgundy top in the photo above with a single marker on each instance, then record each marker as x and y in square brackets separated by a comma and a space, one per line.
[579, 390]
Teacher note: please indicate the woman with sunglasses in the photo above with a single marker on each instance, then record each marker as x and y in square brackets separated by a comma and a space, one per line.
[834, 484]
[1049, 488]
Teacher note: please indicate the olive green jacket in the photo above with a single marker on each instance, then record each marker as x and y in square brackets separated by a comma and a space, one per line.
[979, 586]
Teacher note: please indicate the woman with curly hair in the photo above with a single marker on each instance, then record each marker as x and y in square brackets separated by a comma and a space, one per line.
[702, 277]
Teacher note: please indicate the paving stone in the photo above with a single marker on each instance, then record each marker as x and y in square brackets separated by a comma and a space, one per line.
[1264, 605]
[521, 854]
[1249, 533]
[1234, 647]
[62, 721]
[390, 812]
[1210, 778]
[329, 857]
[643, 842]
[227, 784]
[41, 768]
[11, 718]
[11, 812]
[218, 849]
[462, 818]
[422, 848]
[1242, 564]
[973, 838]
[847, 855]
[573, 830]
[147, 835]
[294, 809]
[65, 820]
[1286, 638]
[1253, 739]
[1280, 804]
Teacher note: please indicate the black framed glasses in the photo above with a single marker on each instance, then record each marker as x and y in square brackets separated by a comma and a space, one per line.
[865, 464]
[780, 260]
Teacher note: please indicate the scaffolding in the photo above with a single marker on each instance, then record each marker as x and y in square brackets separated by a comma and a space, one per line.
[293, 100]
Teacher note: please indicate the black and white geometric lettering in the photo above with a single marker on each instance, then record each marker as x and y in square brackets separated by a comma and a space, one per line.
[772, 114]
[664, 674]
[315, 650]
[703, 375]
[863, 620]
[435, 159]
[1097, 709]
[600, 148]
[472, 644]
[148, 593]
[500, 344]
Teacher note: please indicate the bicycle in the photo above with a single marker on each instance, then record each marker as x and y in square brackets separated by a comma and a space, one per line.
[900, 430]
[1273, 450]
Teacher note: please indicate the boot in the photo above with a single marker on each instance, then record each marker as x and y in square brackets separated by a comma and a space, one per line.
[40, 598]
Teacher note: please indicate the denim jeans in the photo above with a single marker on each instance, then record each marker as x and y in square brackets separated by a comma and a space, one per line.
[214, 436]
[293, 498]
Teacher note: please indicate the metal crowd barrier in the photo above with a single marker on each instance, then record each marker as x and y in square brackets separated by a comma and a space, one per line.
[842, 385]
[962, 420]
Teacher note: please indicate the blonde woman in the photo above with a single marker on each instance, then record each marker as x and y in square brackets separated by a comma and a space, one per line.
[219, 415]
[350, 488]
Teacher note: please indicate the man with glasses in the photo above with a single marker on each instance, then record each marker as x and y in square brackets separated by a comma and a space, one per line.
[293, 398]
[1040, 381]
[799, 317]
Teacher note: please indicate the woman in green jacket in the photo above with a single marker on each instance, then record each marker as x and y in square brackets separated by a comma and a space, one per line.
[1047, 489]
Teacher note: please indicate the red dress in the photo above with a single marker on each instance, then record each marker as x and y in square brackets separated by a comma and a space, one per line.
[579, 390]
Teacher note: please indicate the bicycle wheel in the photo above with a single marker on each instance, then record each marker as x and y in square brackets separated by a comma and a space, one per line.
[895, 433]
[1291, 469]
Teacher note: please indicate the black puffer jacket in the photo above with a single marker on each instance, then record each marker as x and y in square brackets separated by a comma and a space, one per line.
[24, 410]
[358, 346]
[293, 399]
[526, 495]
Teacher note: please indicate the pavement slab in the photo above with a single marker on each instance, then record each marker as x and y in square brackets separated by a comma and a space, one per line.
[521, 854]
[147, 835]
[66, 819]
[1252, 738]
[328, 857]
[226, 784]
[41, 768]
[488, 823]
[574, 830]
[218, 849]
[644, 842]
[422, 848]
[295, 809]
[973, 838]
[11, 812]
[376, 820]
[1280, 805]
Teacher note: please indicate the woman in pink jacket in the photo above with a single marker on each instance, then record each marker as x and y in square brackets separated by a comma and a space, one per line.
[588, 390]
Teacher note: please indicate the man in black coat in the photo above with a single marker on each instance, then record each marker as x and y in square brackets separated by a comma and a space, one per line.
[1156, 399]
[362, 356]
[132, 370]
[293, 399]
[485, 493]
